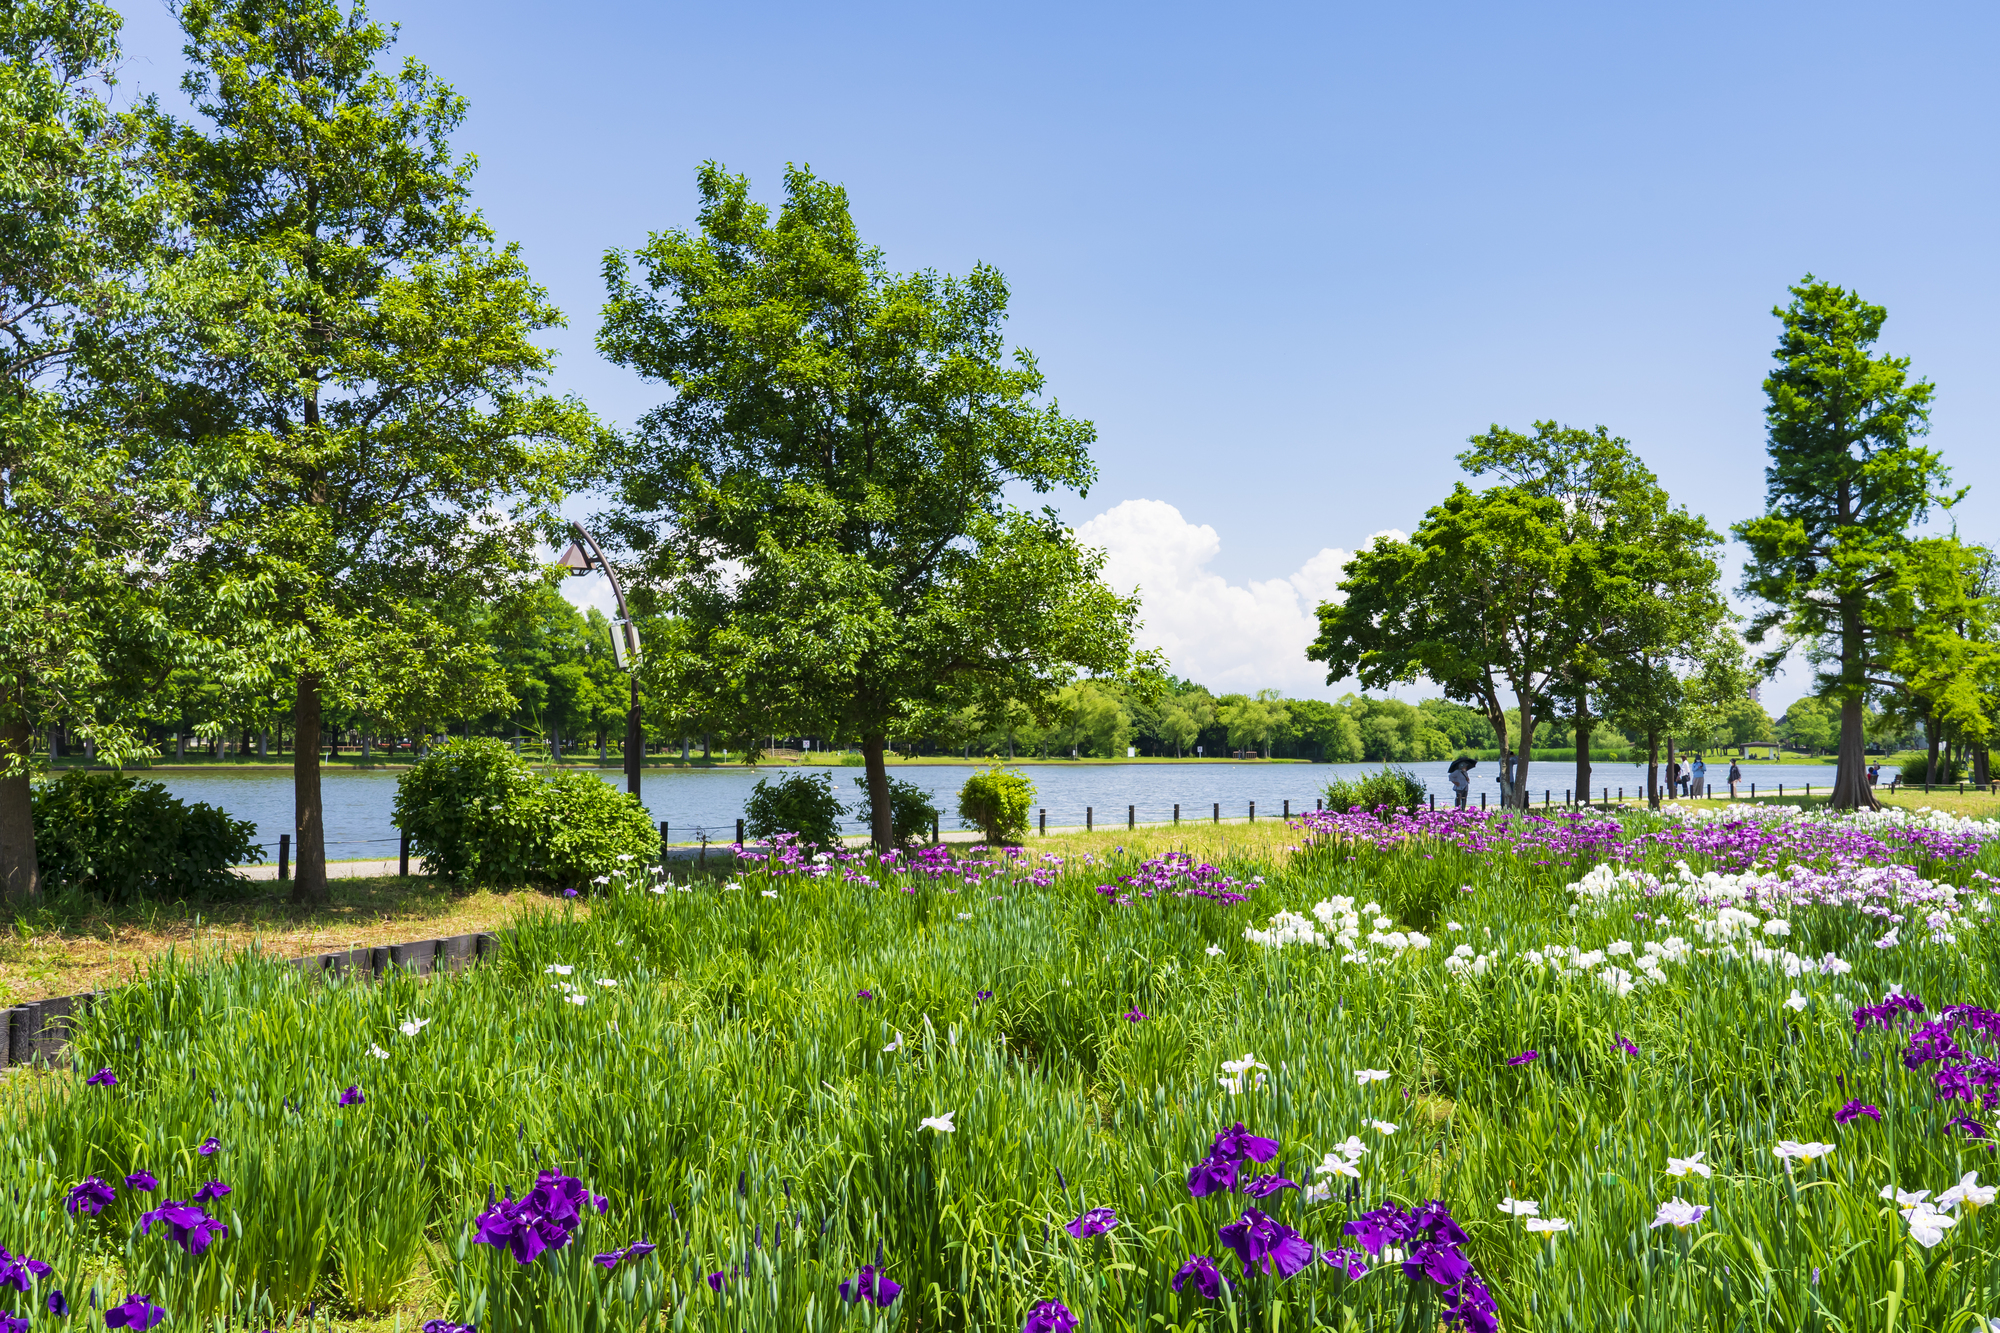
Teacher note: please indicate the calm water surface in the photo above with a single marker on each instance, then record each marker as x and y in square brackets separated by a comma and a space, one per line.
[695, 802]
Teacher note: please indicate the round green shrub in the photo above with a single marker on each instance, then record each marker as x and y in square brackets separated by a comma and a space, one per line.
[1391, 790]
[911, 812]
[123, 840]
[477, 814]
[798, 803]
[1918, 771]
[997, 800]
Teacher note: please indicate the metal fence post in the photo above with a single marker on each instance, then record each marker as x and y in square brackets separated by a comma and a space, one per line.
[663, 839]
[1218, 812]
[1131, 817]
[1045, 823]
[1288, 809]
[403, 855]
[284, 856]
[1088, 815]
[1253, 812]
[739, 832]
[1177, 812]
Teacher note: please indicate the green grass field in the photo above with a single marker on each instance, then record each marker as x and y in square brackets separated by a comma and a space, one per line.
[743, 1071]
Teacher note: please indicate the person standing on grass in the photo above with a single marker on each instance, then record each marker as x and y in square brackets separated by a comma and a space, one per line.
[1460, 777]
[1735, 776]
[1700, 776]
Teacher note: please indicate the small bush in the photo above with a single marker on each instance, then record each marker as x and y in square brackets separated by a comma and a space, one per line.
[1390, 790]
[801, 803]
[911, 811]
[477, 814]
[997, 801]
[122, 840]
[1918, 771]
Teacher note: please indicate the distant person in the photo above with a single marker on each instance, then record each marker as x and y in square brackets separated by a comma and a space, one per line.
[1874, 772]
[1460, 777]
[1735, 776]
[1700, 777]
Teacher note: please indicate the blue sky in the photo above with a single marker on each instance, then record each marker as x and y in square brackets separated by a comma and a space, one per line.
[1288, 257]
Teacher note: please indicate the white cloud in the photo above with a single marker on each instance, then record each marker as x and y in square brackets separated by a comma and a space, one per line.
[1219, 634]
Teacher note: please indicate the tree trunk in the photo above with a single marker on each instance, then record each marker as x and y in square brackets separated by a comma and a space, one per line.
[1980, 772]
[1584, 723]
[309, 868]
[1850, 773]
[1526, 753]
[877, 769]
[1930, 741]
[1653, 769]
[20, 877]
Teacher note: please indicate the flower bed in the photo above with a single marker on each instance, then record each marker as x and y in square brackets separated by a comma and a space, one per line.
[1423, 1073]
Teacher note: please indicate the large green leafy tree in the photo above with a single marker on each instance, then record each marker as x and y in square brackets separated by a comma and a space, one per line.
[92, 495]
[1472, 601]
[376, 382]
[1846, 484]
[1640, 581]
[822, 500]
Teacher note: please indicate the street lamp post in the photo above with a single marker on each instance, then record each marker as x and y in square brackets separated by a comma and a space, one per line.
[582, 557]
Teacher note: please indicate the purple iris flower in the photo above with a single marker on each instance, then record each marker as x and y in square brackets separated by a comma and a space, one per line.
[90, 1198]
[134, 1312]
[143, 1181]
[1263, 1187]
[209, 1146]
[1379, 1226]
[1525, 1057]
[446, 1326]
[859, 995]
[58, 1305]
[1442, 1264]
[1207, 1278]
[103, 1078]
[1210, 1174]
[872, 1286]
[1237, 1142]
[352, 1097]
[1263, 1242]
[1049, 1317]
[717, 1280]
[1094, 1222]
[210, 1192]
[13, 1323]
[1624, 1045]
[639, 1249]
[982, 996]
[1346, 1261]
[1973, 1129]
[609, 1261]
[1134, 1015]
[1854, 1110]
[1435, 1218]
[193, 1230]
[541, 1219]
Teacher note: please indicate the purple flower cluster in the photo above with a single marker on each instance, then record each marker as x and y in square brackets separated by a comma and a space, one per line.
[1888, 1013]
[1049, 1317]
[1524, 1058]
[90, 1197]
[1233, 1146]
[192, 1229]
[1962, 1075]
[1854, 1110]
[1092, 1222]
[1263, 1243]
[137, 1313]
[446, 1326]
[541, 1219]
[1432, 1241]
[103, 1078]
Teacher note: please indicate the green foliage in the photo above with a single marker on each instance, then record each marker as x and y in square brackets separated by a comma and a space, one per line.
[801, 803]
[1810, 725]
[477, 814]
[843, 440]
[124, 841]
[1389, 791]
[997, 800]
[1918, 771]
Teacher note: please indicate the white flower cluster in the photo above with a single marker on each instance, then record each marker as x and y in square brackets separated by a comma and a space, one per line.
[1465, 961]
[1234, 1072]
[1928, 1218]
[1887, 819]
[1335, 922]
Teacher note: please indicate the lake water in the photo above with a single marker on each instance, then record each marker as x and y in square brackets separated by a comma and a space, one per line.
[695, 802]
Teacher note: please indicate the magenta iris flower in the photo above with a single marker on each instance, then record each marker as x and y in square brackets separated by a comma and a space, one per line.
[871, 1286]
[210, 1192]
[1525, 1057]
[352, 1097]
[1346, 1261]
[1094, 1222]
[1207, 1278]
[1049, 1317]
[134, 1312]
[1211, 1174]
[193, 1230]
[1263, 1187]
[1134, 1016]
[144, 1181]
[1264, 1243]
[208, 1146]
[103, 1078]
[90, 1198]
[1854, 1110]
